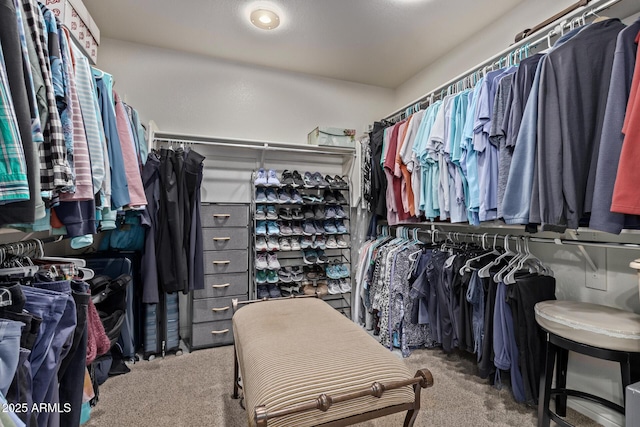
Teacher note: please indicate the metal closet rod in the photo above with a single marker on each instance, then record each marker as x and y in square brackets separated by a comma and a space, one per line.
[263, 146]
[498, 58]
[556, 241]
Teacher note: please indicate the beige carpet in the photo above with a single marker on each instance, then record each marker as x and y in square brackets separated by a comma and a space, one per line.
[195, 390]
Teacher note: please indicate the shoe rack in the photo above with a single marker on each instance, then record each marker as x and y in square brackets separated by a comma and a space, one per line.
[303, 222]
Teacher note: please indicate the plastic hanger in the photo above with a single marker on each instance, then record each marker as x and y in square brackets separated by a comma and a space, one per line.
[78, 262]
[5, 297]
[467, 266]
[498, 277]
[484, 271]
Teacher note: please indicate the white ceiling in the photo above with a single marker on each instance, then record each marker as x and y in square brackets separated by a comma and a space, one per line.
[377, 42]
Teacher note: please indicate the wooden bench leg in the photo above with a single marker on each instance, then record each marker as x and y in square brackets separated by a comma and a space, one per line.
[236, 373]
[427, 381]
[561, 381]
[545, 385]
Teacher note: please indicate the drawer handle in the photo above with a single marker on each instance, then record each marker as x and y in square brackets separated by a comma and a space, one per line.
[224, 331]
[226, 285]
[222, 262]
[220, 309]
[221, 215]
[221, 238]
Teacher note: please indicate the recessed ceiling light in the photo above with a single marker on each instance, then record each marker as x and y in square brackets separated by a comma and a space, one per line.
[265, 19]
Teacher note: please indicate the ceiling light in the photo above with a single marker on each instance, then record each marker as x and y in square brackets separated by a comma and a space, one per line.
[265, 19]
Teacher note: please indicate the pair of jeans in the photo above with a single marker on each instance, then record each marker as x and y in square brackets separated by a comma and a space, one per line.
[45, 382]
[10, 332]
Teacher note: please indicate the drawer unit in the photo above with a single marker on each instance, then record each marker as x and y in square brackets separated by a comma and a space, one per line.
[212, 334]
[225, 233]
[218, 262]
[227, 238]
[220, 215]
[222, 285]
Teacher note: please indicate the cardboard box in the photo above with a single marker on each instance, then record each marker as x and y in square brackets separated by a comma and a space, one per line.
[332, 137]
[75, 16]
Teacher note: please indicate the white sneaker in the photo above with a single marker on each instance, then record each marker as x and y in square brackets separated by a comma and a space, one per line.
[295, 244]
[285, 244]
[272, 243]
[331, 242]
[261, 262]
[261, 244]
[345, 285]
[342, 243]
[334, 288]
[272, 262]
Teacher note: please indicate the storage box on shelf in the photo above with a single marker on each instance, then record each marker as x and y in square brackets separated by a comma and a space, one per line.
[226, 261]
[302, 238]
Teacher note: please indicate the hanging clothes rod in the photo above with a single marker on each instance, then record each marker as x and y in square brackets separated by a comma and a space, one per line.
[502, 58]
[259, 145]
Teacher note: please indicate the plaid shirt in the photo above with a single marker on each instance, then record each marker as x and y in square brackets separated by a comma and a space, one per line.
[13, 168]
[54, 168]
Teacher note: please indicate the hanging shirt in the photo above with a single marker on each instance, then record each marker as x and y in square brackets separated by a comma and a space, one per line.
[389, 166]
[498, 137]
[469, 158]
[520, 183]
[459, 188]
[428, 165]
[439, 133]
[570, 123]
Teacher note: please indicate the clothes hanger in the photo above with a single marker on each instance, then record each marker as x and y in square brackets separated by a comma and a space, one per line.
[498, 277]
[5, 297]
[484, 271]
[467, 265]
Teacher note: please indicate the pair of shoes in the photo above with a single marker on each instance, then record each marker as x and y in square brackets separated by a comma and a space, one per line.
[306, 242]
[285, 213]
[269, 228]
[319, 242]
[337, 271]
[266, 195]
[310, 228]
[334, 226]
[313, 272]
[266, 261]
[266, 178]
[292, 179]
[334, 197]
[335, 242]
[315, 179]
[270, 212]
[284, 274]
[284, 243]
[285, 229]
[266, 276]
[339, 286]
[311, 256]
[336, 182]
[289, 291]
[332, 212]
[285, 195]
[263, 244]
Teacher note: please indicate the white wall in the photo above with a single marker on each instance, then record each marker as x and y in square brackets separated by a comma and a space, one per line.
[194, 94]
[493, 39]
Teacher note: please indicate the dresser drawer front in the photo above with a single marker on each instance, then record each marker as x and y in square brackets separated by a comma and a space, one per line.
[220, 239]
[224, 215]
[216, 262]
[223, 285]
[212, 334]
[213, 309]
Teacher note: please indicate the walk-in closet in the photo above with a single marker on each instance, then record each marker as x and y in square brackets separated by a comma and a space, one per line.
[319, 213]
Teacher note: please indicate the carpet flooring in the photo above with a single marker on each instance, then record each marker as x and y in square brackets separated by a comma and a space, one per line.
[195, 390]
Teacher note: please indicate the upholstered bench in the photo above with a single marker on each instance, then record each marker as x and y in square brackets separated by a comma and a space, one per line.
[304, 364]
[591, 329]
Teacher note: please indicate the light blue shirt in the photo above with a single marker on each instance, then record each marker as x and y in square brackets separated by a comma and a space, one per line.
[470, 157]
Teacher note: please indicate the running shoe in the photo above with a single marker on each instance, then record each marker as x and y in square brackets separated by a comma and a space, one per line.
[272, 196]
[272, 262]
[261, 177]
[272, 228]
[272, 276]
[261, 262]
[261, 276]
[274, 291]
[261, 196]
[261, 228]
[272, 179]
[261, 212]
[271, 212]
[261, 244]
[262, 292]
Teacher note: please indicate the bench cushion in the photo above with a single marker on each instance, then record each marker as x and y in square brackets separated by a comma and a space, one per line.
[291, 351]
[592, 324]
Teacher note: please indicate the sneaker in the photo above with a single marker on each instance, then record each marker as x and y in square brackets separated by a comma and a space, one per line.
[285, 244]
[345, 285]
[261, 177]
[285, 229]
[319, 180]
[272, 197]
[287, 179]
[307, 212]
[263, 292]
[271, 212]
[261, 276]
[329, 197]
[261, 228]
[318, 212]
[272, 276]
[274, 291]
[308, 180]
[332, 271]
[342, 243]
[331, 242]
[261, 262]
[296, 197]
[296, 213]
[320, 273]
[261, 244]
[306, 242]
[272, 178]
[322, 258]
[340, 198]
[272, 228]
[333, 287]
[297, 179]
[272, 262]
[285, 275]
[296, 228]
[285, 213]
[343, 271]
[330, 227]
[283, 196]
[273, 244]
[261, 196]
[308, 228]
[330, 212]
[340, 213]
[261, 212]
[340, 227]
[295, 244]
[319, 227]
[310, 257]
[296, 274]
[322, 289]
[320, 242]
